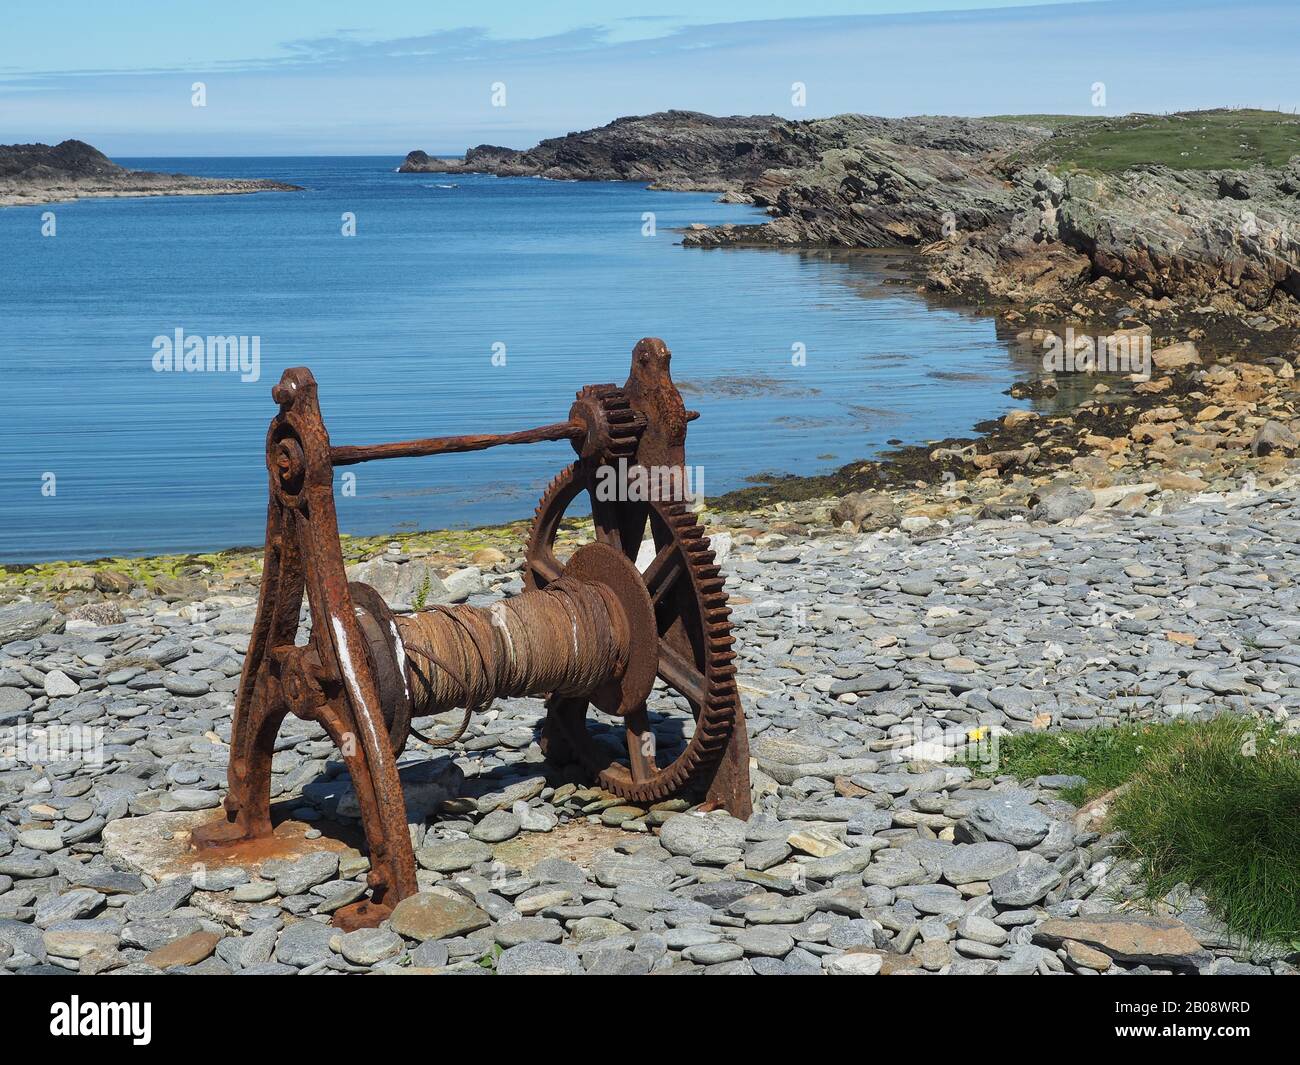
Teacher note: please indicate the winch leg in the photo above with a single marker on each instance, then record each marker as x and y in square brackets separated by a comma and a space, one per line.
[259, 706]
[330, 680]
[730, 787]
[387, 879]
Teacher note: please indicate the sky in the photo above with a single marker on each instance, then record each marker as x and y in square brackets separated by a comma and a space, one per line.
[297, 77]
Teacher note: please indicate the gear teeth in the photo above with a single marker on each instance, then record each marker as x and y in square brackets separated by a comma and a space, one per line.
[623, 424]
[716, 717]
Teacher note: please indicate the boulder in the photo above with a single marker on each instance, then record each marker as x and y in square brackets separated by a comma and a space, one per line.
[1176, 356]
[1129, 938]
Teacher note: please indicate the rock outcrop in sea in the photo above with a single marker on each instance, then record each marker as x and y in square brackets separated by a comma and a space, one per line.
[672, 150]
[33, 174]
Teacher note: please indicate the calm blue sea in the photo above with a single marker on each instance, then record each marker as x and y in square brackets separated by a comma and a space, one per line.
[101, 455]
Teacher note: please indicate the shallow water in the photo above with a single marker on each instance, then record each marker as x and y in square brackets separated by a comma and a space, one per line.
[100, 454]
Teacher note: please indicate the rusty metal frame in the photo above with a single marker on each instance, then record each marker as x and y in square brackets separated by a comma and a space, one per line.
[339, 680]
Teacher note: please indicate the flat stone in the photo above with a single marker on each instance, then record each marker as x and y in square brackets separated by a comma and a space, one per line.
[764, 855]
[268, 968]
[186, 687]
[159, 901]
[255, 891]
[453, 855]
[307, 872]
[1087, 957]
[981, 930]
[1027, 883]
[533, 818]
[152, 933]
[430, 955]
[853, 860]
[20, 620]
[42, 839]
[932, 955]
[528, 930]
[193, 799]
[893, 868]
[67, 906]
[617, 816]
[863, 964]
[1131, 939]
[496, 827]
[538, 959]
[713, 953]
[532, 902]
[617, 870]
[13, 701]
[245, 952]
[616, 963]
[520, 791]
[368, 946]
[58, 685]
[815, 844]
[304, 943]
[937, 899]
[590, 929]
[770, 941]
[187, 950]
[970, 863]
[686, 834]
[77, 944]
[1008, 820]
[429, 915]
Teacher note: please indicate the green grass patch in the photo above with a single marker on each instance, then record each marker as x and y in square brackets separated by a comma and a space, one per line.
[1104, 757]
[1193, 140]
[1212, 803]
[1219, 809]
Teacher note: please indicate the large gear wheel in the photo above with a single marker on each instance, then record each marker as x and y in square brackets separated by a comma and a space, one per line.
[694, 631]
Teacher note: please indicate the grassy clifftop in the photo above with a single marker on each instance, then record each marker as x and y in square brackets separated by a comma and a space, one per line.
[1193, 140]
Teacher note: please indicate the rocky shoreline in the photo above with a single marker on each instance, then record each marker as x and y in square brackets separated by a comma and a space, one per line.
[998, 218]
[1018, 209]
[35, 174]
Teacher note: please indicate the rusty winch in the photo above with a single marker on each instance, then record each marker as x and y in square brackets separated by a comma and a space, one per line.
[590, 631]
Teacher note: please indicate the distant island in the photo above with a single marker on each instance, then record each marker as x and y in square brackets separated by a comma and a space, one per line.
[1200, 209]
[32, 174]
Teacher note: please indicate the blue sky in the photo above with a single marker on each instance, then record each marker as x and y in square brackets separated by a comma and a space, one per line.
[338, 77]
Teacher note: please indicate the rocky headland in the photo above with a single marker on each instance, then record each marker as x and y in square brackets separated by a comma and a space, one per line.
[33, 174]
[679, 151]
[1087, 215]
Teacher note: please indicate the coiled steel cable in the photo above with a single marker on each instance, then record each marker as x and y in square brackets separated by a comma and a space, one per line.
[558, 640]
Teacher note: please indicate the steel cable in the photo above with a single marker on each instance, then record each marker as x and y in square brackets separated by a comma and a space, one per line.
[556, 640]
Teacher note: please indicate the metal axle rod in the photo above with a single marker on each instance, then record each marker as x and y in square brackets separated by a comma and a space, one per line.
[446, 445]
